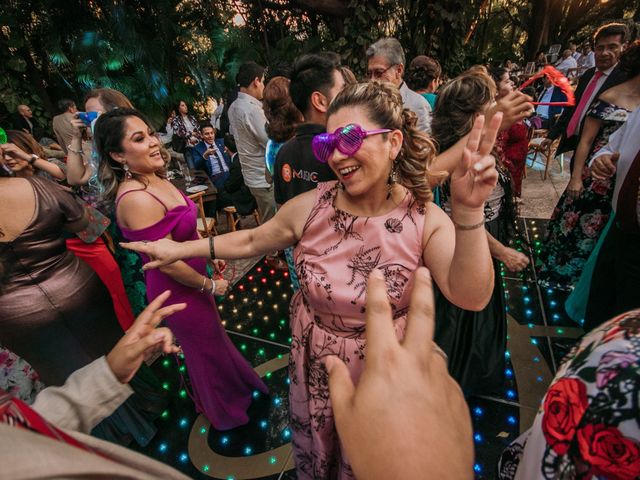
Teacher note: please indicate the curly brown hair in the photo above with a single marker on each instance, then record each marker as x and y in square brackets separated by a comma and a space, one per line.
[282, 115]
[383, 105]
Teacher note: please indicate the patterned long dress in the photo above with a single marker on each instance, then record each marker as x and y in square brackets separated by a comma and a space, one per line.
[333, 259]
[576, 225]
[587, 425]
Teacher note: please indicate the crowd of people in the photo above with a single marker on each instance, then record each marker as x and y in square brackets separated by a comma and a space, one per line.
[369, 189]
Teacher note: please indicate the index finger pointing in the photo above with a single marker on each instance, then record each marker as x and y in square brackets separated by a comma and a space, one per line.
[420, 322]
[380, 332]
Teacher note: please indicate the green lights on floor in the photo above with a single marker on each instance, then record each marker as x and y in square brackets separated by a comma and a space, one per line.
[165, 414]
[243, 347]
[205, 468]
[273, 460]
[182, 369]
[203, 430]
[166, 362]
[261, 351]
[183, 394]
[268, 374]
[165, 385]
[272, 336]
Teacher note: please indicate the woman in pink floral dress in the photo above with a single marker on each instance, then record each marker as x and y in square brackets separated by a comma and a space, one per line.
[377, 215]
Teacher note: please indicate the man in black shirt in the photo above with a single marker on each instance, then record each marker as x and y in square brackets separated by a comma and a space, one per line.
[315, 81]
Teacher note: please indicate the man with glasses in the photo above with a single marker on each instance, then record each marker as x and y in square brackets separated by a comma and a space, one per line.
[386, 64]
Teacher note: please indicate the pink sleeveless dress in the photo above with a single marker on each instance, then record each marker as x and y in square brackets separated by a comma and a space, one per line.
[333, 260]
[221, 379]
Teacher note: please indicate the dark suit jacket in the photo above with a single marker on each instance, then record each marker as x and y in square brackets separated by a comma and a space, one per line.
[241, 196]
[556, 96]
[202, 163]
[560, 128]
[19, 123]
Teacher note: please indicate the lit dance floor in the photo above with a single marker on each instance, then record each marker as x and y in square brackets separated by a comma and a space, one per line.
[256, 317]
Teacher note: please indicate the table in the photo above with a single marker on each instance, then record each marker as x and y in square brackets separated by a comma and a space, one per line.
[200, 177]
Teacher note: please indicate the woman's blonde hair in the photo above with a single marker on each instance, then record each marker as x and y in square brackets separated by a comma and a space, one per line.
[383, 105]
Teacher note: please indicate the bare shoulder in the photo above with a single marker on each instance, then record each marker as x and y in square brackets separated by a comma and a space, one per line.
[137, 209]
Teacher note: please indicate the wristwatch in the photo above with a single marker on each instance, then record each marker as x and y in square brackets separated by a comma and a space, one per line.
[32, 159]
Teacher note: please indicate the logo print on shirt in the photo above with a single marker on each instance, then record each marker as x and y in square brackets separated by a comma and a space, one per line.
[286, 172]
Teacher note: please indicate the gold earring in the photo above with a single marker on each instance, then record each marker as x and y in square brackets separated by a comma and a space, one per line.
[127, 173]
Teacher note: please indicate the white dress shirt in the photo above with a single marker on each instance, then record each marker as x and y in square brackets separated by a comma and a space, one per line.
[626, 141]
[599, 83]
[247, 124]
[566, 64]
[543, 110]
[417, 104]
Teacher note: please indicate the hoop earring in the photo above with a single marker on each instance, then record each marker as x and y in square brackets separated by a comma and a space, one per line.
[127, 173]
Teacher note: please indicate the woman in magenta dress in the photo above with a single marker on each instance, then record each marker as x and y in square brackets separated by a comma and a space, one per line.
[149, 207]
[378, 215]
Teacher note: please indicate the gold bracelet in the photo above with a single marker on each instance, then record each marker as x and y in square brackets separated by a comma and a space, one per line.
[459, 226]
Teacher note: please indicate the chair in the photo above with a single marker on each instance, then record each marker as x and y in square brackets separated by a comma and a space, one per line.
[206, 225]
[233, 218]
[548, 151]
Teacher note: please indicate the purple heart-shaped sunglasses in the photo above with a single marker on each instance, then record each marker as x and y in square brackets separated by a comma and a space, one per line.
[346, 139]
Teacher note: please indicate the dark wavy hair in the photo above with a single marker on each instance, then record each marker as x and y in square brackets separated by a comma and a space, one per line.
[109, 132]
[282, 115]
[630, 59]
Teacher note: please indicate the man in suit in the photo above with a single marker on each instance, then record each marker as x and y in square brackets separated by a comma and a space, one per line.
[50, 439]
[609, 40]
[209, 155]
[549, 113]
[22, 119]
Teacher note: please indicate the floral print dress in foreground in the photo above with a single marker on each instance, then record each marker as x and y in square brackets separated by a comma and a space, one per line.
[576, 224]
[333, 259]
[588, 424]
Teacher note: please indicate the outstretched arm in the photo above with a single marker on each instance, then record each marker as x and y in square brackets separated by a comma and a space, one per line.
[282, 231]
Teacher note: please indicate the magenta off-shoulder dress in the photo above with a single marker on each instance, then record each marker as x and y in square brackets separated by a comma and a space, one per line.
[223, 382]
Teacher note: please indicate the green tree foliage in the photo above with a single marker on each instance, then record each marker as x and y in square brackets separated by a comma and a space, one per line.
[160, 51]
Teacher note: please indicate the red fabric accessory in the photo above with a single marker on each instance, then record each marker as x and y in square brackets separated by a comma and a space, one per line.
[557, 79]
[18, 414]
[586, 95]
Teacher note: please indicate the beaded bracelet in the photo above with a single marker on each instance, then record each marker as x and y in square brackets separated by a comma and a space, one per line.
[460, 226]
[213, 287]
[204, 281]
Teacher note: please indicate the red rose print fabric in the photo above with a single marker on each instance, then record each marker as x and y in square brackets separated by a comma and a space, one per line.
[589, 424]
